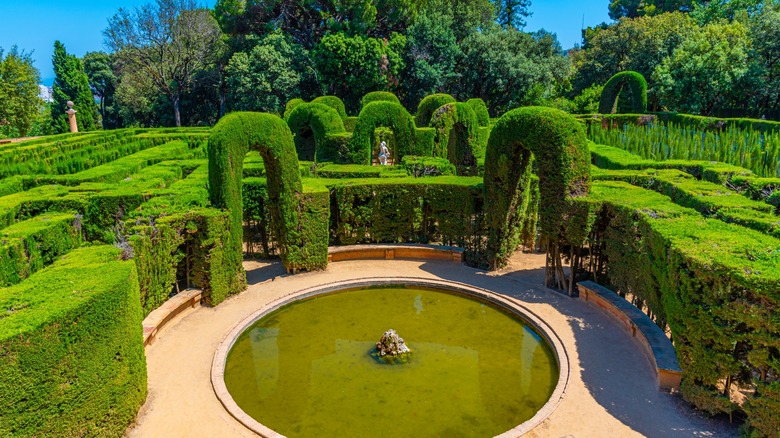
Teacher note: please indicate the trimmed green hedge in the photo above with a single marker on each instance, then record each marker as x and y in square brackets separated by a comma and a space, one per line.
[291, 105]
[427, 166]
[457, 134]
[230, 140]
[558, 144]
[28, 246]
[378, 96]
[481, 111]
[617, 84]
[383, 114]
[428, 105]
[715, 284]
[334, 102]
[310, 124]
[71, 348]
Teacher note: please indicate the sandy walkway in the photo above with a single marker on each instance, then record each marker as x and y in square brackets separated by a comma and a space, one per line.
[611, 393]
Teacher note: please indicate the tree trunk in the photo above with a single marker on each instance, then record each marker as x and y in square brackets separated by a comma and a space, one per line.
[176, 113]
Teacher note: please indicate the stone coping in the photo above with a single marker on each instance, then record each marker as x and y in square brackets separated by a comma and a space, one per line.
[174, 306]
[511, 305]
[657, 347]
[395, 251]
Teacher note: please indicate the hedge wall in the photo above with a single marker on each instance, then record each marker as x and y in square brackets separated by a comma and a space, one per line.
[699, 123]
[71, 348]
[378, 96]
[383, 114]
[481, 111]
[617, 84]
[28, 246]
[557, 142]
[428, 105]
[229, 142]
[310, 124]
[716, 285]
[334, 102]
[457, 134]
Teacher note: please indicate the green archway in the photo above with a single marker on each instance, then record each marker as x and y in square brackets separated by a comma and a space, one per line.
[378, 96]
[557, 143]
[637, 85]
[456, 136]
[229, 141]
[310, 124]
[382, 114]
[428, 105]
[334, 102]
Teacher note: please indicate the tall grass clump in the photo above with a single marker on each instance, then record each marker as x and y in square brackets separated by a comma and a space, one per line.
[751, 149]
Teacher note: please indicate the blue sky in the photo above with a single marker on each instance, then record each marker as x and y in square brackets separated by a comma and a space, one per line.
[34, 25]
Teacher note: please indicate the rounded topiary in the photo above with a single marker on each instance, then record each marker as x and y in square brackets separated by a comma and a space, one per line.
[378, 96]
[387, 114]
[457, 134]
[481, 110]
[291, 106]
[310, 124]
[333, 102]
[428, 105]
[616, 84]
[229, 141]
[558, 144]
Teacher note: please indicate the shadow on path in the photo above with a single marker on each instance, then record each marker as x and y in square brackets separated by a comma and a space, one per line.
[608, 357]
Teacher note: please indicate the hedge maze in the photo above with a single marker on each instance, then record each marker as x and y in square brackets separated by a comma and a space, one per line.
[99, 229]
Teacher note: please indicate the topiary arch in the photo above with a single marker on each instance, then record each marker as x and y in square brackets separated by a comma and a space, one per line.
[428, 105]
[378, 96]
[229, 141]
[616, 84]
[334, 102]
[457, 133]
[557, 142]
[387, 114]
[291, 104]
[310, 124]
[481, 110]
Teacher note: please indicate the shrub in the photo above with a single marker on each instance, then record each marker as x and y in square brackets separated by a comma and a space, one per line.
[333, 102]
[378, 96]
[559, 146]
[229, 142]
[382, 114]
[617, 84]
[291, 105]
[71, 348]
[310, 123]
[427, 166]
[428, 105]
[457, 134]
[481, 110]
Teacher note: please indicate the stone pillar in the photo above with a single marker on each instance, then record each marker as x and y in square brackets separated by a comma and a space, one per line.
[74, 127]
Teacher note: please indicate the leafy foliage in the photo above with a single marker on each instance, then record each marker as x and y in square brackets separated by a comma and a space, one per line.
[18, 93]
[71, 84]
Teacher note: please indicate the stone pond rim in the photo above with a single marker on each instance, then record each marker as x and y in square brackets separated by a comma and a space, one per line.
[514, 307]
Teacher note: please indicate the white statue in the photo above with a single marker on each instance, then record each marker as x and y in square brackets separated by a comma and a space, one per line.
[383, 153]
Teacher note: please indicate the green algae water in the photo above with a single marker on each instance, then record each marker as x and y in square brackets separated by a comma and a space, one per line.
[306, 369]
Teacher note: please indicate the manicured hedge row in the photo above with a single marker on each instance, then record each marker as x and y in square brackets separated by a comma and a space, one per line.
[427, 166]
[71, 348]
[428, 105]
[699, 123]
[716, 284]
[28, 246]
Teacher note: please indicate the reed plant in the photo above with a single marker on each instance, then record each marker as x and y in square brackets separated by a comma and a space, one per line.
[748, 148]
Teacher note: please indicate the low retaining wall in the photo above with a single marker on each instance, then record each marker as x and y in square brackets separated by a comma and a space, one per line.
[155, 321]
[400, 251]
[657, 347]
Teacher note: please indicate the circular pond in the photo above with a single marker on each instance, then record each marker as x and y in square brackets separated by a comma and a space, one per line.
[309, 367]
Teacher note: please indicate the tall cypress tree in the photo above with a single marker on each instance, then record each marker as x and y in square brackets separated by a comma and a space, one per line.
[71, 83]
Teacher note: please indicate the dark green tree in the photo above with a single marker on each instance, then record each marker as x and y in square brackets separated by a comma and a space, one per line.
[513, 13]
[99, 67]
[351, 66]
[638, 8]
[19, 101]
[430, 57]
[71, 84]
